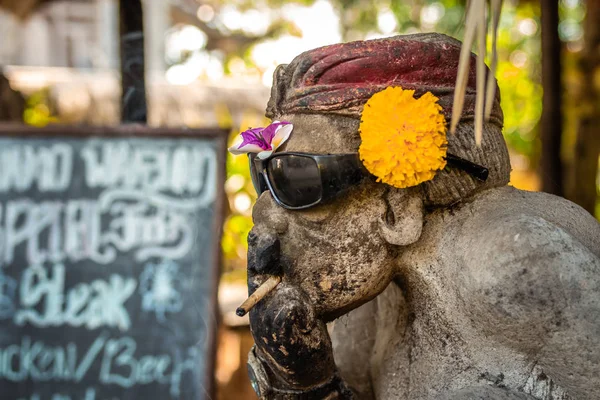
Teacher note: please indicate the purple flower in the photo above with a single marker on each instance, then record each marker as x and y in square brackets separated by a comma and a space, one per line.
[254, 136]
[263, 141]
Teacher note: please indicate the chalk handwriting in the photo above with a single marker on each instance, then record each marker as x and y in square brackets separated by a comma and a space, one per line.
[90, 394]
[45, 302]
[131, 213]
[119, 364]
[8, 288]
[47, 167]
[43, 363]
[159, 284]
[120, 367]
[152, 168]
[58, 207]
[73, 231]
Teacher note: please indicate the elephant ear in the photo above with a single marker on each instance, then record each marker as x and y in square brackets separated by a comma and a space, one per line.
[403, 222]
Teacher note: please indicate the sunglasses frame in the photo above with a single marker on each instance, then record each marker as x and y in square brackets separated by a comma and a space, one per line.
[338, 179]
[337, 172]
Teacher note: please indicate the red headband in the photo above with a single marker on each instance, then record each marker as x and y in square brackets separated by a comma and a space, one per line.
[340, 78]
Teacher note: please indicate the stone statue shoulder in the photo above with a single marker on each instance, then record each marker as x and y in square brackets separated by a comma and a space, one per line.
[515, 219]
[526, 269]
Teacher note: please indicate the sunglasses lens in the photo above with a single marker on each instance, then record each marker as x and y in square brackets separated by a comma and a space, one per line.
[295, 180]
[256, 179]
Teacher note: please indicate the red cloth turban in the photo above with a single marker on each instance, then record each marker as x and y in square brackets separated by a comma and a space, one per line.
[339, 79]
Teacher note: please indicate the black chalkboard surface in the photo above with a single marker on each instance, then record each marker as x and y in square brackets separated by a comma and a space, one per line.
[109, 254]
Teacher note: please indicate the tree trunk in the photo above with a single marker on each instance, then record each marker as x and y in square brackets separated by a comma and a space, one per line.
[587, 148]
[551, 121]
[12, 103]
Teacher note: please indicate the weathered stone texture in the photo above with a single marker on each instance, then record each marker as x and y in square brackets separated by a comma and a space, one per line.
[455, 289]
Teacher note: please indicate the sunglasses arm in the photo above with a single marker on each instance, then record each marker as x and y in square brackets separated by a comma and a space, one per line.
[479, 172]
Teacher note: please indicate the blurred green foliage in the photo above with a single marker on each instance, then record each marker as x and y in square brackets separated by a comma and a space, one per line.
[37, 109]
[240, 198]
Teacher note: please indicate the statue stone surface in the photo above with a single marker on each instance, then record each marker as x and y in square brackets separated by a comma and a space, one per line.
[452, 289]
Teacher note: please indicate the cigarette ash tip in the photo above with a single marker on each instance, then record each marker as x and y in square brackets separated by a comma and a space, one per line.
[240, 312]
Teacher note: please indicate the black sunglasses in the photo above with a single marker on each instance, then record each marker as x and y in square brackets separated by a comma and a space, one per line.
[303, 180]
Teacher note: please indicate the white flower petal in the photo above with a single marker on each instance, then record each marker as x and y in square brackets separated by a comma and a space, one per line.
[281, 135]
[265, 154]
[249, 148]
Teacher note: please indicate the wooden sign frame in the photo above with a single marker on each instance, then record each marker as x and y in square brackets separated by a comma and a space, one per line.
[137, 131]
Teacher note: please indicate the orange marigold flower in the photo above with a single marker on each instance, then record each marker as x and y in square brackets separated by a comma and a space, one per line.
[403, 138]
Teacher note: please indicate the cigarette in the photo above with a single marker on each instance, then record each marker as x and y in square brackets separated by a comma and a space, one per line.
[258, 295]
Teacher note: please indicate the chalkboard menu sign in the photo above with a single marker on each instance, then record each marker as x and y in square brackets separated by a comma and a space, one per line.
[108, 262]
